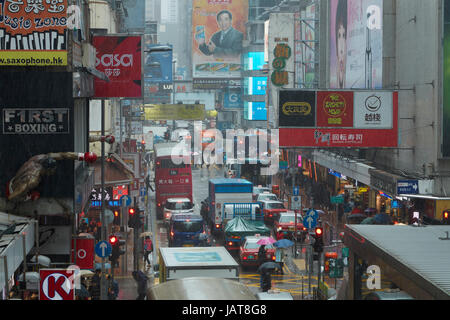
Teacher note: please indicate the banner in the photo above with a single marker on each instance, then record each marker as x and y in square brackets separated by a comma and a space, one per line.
[33, 34]
[356, 44]
[218, 28]
[175, 112]
[119, 58]
[359, 119]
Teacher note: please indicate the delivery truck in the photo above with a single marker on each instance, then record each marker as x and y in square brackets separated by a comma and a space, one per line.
[221, 192]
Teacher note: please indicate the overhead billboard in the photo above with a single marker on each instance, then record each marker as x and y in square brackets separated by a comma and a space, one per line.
[358, 119]
[356, 44]
[218, 28]
[158, 65]
[33, 34]
[119, 58]
[175, 112]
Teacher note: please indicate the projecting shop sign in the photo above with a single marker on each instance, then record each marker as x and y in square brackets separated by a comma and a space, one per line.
[35, 121]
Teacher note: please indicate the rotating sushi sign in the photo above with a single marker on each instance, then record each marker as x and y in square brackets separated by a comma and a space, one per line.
[360, 119]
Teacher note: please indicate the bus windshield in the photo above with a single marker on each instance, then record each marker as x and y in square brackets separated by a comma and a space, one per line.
[188, 226]
[179, 205]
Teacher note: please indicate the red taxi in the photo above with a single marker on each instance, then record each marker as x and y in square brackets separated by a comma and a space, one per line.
[271, 210]
[248, 251]
[284, 226]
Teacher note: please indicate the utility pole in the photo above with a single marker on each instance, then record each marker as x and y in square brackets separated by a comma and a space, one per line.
[103, 287]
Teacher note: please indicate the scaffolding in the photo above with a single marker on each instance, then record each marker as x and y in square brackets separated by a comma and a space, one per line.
[307, 33]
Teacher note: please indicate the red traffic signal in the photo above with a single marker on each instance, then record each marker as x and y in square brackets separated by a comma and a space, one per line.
[131, 211]
[318, 231]
[116, 213]
[113, 240]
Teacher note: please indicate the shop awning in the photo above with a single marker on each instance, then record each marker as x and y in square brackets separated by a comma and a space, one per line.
[415, 258]
[348, 167]
[12, 230]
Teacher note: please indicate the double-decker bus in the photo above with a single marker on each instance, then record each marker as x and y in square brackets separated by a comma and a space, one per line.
[171, 180]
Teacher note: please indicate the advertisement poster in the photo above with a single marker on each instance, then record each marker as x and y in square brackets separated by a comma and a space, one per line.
[364, 132]
[356, 44]
[297, 109]
[373, 110]
[119, 58]
[218, 32]
[335, 109]
[33, 34]
[158, 65]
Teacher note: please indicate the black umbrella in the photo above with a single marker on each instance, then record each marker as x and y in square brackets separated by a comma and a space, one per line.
[382, 218]
[268, 267]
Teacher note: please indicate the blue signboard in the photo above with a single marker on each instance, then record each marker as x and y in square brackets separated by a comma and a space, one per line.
[254, 61]
[158, 65]
[255, 86]
[232, 99]
[407, 187]
[255, 111]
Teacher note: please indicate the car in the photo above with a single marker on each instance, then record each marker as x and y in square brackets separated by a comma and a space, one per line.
[259, 189]
[284, 226]
[248, 251]
[266, 196]
[175, 206]
[271, 210]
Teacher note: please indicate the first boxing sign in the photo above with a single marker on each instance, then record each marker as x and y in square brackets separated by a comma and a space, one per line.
[36, 121]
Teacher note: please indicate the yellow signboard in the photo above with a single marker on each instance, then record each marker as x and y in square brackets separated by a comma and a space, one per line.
[174, 112]
[363, 190]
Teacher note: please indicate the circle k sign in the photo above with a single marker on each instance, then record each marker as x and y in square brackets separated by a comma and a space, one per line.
[56, 284]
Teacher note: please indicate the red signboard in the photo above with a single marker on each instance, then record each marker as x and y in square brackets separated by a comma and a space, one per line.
[335, 109]
[56, 284]
[84, 257]
[343, 137]
[119, 58]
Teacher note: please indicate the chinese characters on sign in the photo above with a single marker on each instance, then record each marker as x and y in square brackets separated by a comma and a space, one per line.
[282, 52]
[33, 32]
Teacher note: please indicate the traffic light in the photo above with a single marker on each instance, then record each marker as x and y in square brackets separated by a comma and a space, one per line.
[166, 135]
[117, 251]
[446, 217]
[116, 220]
[318, 243]
[134, 218]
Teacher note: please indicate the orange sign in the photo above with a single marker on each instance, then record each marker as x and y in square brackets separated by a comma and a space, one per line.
[334, 109]
[33, 33]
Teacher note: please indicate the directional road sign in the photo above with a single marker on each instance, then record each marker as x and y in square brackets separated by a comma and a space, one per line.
[103, 249]
[125, 201]
[296, 191]
[407, 187]
[310, 220]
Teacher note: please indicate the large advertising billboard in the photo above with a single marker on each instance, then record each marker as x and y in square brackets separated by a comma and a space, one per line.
[158, 65]
[360, 119]
[119, 58]
[218, 28]
[356, 44]
[33, 33]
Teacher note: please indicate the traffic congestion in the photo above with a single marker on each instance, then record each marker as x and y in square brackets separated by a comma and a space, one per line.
[212, 206]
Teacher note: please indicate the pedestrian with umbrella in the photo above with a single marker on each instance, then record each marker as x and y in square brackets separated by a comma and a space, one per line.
[280, 245]
[141, 280]
[266, 279]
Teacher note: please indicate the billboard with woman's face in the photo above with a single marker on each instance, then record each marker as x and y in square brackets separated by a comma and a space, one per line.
[218, 31]
[356, 44]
